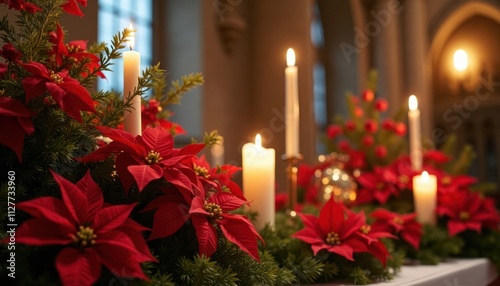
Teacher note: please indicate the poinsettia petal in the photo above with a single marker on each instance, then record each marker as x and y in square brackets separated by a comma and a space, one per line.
[309, 236]
[144, 174]
[181, 181]
[111, 217]
[133, 231]
[40, 232]
[78, 267]
[455, 227]
[93, 192]
[318, 248]
[170, 197]
[73, 197]
[123, 161]
[158, 140]
[227, 201]
[190, 150]
[168, 218]
[238, 230]
[71, 7]
[342, 250]
[352, 224]
[34, 86]
[206, 234]
[49, 208]
[412, 238]
[12, 135]
[331, 217]
[119, 255]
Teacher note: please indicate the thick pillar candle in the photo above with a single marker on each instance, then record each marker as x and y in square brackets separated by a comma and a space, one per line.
[258, 180]
[415, 133]
[291, 106]
[131, 70]
[425, 197]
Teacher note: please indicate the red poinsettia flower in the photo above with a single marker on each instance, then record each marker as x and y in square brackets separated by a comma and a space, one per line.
[436, 157]
[90, 233]
[66, 91]
[466, 210]
[10, 53]
[449, 184]
[21, 5]
[357, 159]
[335, 230]
[149, 114]
[71, 7]
[403, 225]
[207, 212]
[16, 124]
[74, 53]
[218, 178]
[404, 172]
[145, 158]
[378, 185]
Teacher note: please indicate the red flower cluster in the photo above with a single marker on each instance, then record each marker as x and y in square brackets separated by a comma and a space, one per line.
[200, 194]
[150, 118]
[90, 233]
[16, 124]
[403, 225]
[343, 232]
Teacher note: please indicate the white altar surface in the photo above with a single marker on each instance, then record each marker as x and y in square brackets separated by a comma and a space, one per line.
[454, 272]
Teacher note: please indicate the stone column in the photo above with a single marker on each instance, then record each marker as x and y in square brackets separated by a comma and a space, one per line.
[417, 60]
[384, 28]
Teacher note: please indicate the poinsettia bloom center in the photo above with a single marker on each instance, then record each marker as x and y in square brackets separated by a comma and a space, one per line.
[446, 180]
[397, 220]
[404, 179]
[72, 48]
[332, 238]
[153, 157]
[214, 210]
[366, 229]
[201, 171]
[55, 77]
[380, 186]
[464, 215]
[85, 236]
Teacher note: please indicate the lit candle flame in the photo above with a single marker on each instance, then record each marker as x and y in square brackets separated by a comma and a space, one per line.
[290, 57]
[425, 176]
[131, 39]
[460, 60]
[258, 141]
[413, 102]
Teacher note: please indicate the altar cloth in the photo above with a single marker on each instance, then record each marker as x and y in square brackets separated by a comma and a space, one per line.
[453, 272]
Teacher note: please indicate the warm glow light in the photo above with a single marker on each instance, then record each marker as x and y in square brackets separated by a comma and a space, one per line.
[413, 102]
[131, 39]
[258, 141]
[460, 60]
[425, 176]
[290, 57]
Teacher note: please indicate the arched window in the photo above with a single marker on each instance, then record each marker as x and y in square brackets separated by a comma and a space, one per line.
[114, 16]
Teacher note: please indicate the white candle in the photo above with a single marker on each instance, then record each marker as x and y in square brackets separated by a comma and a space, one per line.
[217, 153]
[425, 197]
[258, 180]
[131, 69]
[414, 128]
[291, 106]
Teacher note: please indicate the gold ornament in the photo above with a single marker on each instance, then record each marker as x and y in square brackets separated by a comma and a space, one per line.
[334, 181]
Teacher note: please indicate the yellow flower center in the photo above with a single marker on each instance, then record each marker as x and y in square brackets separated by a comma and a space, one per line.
[333, 238]
[55, 77]
[464, 215]
[404, 179]
[72, 48]
[366, 229]
[446, 181]
[152, 158]
[201, 171]
[84, 237]
[214, 210]
[397, 220]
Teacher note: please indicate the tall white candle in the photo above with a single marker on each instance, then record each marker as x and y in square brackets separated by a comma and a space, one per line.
[131, 70]
[291, 105]
[425, 197]
[414, 128]
[258, 180]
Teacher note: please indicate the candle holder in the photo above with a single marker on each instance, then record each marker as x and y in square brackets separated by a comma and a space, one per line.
[292, 170]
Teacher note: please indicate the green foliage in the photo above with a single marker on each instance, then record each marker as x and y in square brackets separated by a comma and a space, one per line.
[436, 245]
